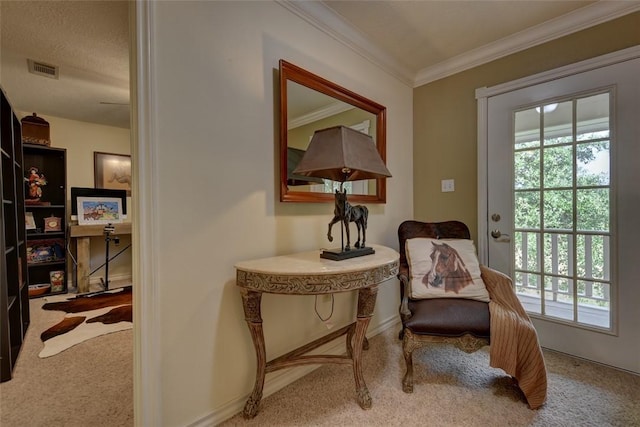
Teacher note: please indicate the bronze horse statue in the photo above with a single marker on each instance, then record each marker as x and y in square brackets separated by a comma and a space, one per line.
[447, 269]
[346, 213]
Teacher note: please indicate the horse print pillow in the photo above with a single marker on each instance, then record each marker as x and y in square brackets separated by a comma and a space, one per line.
[444, 268]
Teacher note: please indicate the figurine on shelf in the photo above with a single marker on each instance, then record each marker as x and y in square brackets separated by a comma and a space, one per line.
[36, 181]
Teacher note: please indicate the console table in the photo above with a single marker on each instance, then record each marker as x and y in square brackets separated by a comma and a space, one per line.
[306, 273]
[82, 235]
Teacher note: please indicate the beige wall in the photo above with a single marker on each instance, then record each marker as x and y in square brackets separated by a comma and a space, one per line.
[81, 139]
[216, 197]
[445, 123]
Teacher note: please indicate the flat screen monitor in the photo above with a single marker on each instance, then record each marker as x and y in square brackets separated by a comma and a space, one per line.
[96, 192]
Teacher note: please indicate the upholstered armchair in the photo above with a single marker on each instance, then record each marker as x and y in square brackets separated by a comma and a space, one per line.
[467, 323]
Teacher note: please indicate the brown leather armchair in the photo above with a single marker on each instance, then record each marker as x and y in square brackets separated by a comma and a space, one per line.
[471, 324]
[464, 323]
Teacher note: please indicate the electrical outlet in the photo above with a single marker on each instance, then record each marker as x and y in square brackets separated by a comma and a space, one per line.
[448, 185]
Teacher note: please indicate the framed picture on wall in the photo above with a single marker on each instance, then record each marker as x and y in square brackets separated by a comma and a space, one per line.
[112, 171]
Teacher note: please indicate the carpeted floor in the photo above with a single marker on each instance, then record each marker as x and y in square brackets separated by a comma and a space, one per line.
[455, 389]
[90, 384]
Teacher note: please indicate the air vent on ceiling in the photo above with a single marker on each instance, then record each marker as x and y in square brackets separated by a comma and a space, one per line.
[42, 69]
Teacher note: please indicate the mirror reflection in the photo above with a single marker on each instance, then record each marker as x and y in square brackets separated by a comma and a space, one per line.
[308, 111]
[310, 103]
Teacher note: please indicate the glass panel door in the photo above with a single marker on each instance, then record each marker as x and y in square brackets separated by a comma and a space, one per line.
[562, 193]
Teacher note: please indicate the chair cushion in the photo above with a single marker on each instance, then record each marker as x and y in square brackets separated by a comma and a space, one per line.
[449, 317]
[444, 268]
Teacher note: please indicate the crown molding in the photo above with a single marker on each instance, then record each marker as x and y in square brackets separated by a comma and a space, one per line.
[581, 19]
[326, 20]
[322, 113]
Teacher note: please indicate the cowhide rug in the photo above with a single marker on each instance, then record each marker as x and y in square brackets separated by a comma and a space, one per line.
[87, 317]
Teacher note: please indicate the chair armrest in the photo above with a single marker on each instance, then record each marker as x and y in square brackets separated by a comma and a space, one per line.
[403, 270]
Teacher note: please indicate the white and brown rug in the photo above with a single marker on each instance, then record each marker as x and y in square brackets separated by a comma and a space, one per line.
[87, 317]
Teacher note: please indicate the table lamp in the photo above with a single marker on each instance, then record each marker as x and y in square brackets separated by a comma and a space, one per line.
[343, 154]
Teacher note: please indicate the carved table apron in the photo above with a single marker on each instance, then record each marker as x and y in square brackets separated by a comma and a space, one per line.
[306, 273]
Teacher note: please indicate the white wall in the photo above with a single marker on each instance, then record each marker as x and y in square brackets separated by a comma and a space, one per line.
[216, 201]
[81, 139]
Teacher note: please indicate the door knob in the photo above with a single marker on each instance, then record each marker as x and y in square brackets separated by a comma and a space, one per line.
[499, 236]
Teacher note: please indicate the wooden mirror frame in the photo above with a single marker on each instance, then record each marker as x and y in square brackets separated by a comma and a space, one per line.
[290, 72]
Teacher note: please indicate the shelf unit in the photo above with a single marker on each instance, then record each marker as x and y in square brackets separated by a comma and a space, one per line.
[46, 250]
[14, 292]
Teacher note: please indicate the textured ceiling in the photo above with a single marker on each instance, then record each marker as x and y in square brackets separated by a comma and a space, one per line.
[88, 41]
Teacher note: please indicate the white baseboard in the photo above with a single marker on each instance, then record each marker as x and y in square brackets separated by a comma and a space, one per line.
[280, 379]
[95, 282]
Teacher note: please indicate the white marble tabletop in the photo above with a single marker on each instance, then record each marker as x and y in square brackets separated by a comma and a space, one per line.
[305, 273]
[310, 263]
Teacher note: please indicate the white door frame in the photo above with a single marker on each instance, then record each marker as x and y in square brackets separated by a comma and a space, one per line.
[147, 363]
[482, 96]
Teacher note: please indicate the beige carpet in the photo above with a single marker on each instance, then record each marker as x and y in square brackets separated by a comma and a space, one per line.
[456, 389]
[90, 384]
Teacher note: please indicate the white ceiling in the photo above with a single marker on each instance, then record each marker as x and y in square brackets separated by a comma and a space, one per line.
[417, 41]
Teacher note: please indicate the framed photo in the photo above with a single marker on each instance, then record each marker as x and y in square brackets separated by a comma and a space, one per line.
[99, 210]
[29, 220]
[112, 171]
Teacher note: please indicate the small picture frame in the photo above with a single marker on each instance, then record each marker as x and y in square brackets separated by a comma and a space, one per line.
[99, 210]
[29, 221]
[56, 279]
[112, 171]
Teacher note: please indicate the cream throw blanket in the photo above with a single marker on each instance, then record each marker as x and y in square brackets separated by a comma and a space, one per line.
[514, 341]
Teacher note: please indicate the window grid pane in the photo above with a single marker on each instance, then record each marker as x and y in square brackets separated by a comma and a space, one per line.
[562, 210]
[593, 164]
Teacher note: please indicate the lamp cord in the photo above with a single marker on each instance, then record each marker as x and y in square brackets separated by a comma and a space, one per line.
[315, 307]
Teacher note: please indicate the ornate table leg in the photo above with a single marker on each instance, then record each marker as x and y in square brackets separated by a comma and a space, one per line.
[366, 303]
[251, 303]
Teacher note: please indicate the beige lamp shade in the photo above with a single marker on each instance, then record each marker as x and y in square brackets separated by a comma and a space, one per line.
[342, 154]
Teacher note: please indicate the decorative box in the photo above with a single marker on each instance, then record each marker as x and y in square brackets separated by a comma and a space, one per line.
[52, 223]
[35, 130]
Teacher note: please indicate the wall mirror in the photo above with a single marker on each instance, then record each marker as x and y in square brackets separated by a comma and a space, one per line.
[309, 103]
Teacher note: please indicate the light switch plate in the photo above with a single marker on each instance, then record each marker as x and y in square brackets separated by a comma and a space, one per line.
[448, 185]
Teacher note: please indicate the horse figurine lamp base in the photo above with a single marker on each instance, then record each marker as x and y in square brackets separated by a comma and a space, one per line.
[345, 213]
